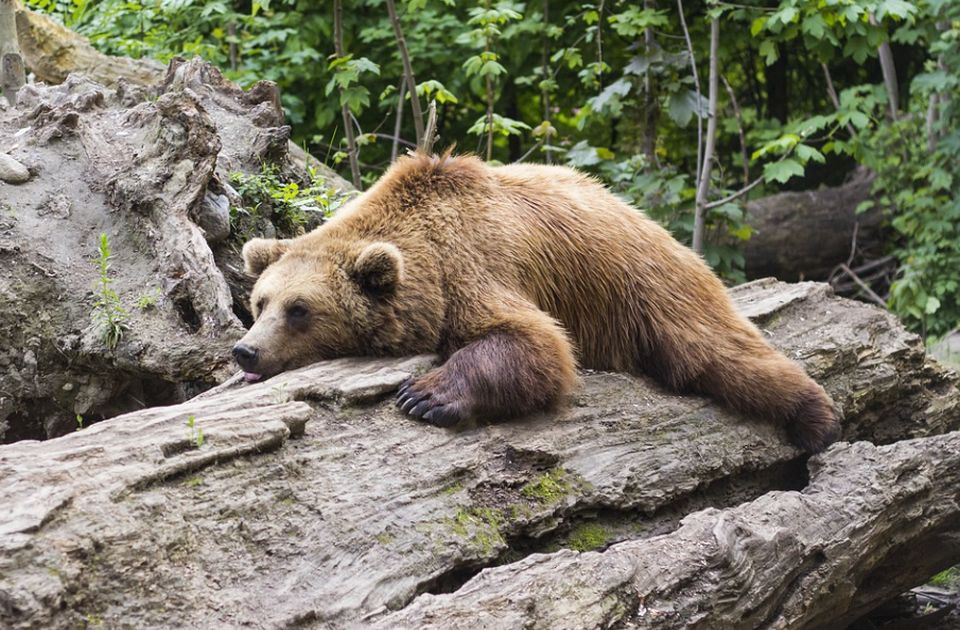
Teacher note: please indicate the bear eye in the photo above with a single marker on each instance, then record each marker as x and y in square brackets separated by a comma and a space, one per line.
[297, 311]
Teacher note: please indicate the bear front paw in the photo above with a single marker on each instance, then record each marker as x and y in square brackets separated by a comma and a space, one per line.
[430, 400]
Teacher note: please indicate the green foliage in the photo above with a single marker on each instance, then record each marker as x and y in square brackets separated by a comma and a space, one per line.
[108, 311]
[291, 208]
[947, 579]
[146, 301]
[194, 432]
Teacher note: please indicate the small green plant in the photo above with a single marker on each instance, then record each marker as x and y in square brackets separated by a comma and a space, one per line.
[148, 300]
[290, 206]
[195, 433]
[79, 422]
[193, 482]
[108, 311]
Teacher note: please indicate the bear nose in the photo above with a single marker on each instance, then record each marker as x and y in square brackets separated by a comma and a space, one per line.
[245, 356]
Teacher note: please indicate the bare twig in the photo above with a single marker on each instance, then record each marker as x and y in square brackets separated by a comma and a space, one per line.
[398, 122]
[696, 85]
[650, 105]
[600, 44]
[703, 187]
[234, 53]
[743, 139]
[863, 285]
[529, 152]
[832, 93]
[407, 71]
[734, 196]
[344, 110]
[545, 65]
[430, 134]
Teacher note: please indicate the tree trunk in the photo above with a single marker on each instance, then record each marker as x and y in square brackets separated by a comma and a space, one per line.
[12, 75]
[309, 502]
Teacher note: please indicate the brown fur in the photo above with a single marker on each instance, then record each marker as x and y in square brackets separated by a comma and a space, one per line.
[504, 271]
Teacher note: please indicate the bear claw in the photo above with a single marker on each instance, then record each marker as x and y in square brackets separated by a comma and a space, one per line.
[426, 406]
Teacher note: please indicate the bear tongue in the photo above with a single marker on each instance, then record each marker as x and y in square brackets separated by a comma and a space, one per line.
[250, 377]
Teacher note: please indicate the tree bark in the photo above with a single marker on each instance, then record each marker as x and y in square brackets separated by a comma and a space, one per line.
[703, 188]
[310, 503]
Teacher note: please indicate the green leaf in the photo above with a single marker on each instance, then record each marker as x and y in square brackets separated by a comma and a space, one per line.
[932, 305]
[768, 49]
[681, 106]
[807, 153]
[782, 171]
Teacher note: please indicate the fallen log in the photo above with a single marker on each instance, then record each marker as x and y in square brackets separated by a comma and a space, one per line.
[805, 235]
[308, 500]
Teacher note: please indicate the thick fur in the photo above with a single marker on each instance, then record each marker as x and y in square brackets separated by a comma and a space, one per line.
[513, 273]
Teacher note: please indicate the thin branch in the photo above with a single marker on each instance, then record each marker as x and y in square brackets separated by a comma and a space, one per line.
[703, 188]
[650, 105]
[430, 134]
[734, 196]
[696, 84]
[545, 69]
[600, 44]
[407, 71]
[398, 122]
[832, 93]
[529, 152]
[863, 285]
[344, 110]
[743, 139]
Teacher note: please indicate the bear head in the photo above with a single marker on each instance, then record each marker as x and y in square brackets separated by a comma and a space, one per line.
[316, 300]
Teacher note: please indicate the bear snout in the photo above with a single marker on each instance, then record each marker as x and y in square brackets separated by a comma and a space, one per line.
[246, 357]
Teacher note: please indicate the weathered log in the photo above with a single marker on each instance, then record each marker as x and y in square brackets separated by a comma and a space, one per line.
[140, 522]
[871, 522]
[805, 235]
[150, 170]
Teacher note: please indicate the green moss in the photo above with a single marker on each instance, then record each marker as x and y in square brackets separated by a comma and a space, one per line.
[550, 487]
[947, 579]
[480, 525]
[193, 482]
[385, 539]
[452, 488]
[588, 536]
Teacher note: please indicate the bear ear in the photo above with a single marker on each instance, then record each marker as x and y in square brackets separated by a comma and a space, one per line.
[379, 268]
[260, 253]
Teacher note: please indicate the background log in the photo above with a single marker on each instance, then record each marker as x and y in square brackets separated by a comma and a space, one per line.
[805, 235]
[307, 502]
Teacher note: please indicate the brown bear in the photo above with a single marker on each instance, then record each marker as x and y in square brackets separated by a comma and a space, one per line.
[513, 274]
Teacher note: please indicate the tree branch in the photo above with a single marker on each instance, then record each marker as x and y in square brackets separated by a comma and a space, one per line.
[696, 84]
[407, 71]
[344, 110]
